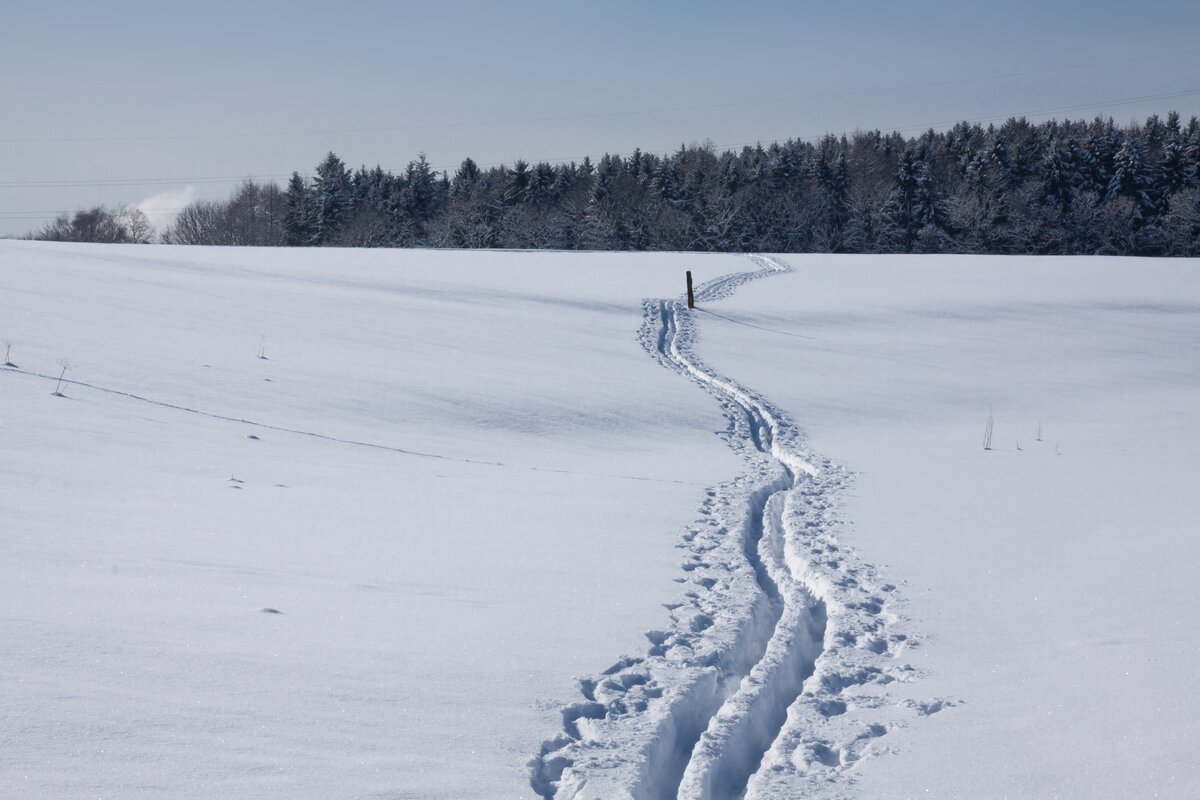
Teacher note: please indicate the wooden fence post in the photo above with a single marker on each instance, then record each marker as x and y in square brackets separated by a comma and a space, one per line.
[691, 294]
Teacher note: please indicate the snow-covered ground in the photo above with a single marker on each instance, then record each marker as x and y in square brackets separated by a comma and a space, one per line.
[466, 478]
[1053, 587]
[434, 609]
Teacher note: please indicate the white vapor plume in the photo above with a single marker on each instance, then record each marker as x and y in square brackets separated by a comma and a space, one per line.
[162, 208]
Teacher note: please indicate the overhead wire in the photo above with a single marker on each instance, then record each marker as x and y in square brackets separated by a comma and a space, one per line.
[107, 182]
[757, 327]
[604, 114]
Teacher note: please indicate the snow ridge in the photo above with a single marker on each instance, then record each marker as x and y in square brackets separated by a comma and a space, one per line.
[769, 680]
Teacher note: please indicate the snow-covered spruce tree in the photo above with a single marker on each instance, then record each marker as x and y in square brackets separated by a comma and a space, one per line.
[297, 214]
[1134, 177]
[465, 177]
[928, 212]
[425, 189]
[516, 190]
[1191, 156]
[1058, 176]
[1172, 169]
[416, 198]
[913, 217]
[542, 184]
[564, 180]
[330, 200]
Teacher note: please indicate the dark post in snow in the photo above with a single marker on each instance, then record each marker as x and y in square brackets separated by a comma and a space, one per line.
[691, 294]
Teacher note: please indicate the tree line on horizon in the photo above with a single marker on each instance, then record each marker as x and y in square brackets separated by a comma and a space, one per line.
[1063, 188]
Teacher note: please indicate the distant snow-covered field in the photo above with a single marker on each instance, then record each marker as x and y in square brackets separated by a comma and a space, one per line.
[490, 525]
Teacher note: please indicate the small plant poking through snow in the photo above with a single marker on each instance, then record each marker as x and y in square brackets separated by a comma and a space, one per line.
[8, 354]
[1039, 436]
[262, 348]
[987, 433]
[66, 365]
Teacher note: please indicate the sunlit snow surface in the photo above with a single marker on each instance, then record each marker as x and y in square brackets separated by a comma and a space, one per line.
[1054, 585]
[462, 481]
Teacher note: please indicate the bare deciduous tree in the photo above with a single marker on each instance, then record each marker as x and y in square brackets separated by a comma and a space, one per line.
[122, 225]
[252, 217]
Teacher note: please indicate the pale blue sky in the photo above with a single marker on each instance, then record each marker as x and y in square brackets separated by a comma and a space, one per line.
[132, 91]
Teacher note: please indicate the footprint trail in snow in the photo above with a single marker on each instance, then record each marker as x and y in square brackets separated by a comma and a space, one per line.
[770, 681]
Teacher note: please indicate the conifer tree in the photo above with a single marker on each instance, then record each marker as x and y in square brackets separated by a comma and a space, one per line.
[331, 200]
[1133, 177]
[297, 219]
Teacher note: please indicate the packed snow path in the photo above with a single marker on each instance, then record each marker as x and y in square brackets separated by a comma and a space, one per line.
[762, 683]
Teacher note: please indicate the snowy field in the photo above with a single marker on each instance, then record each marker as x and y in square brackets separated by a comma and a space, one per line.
[491, 525]
[1054, 586]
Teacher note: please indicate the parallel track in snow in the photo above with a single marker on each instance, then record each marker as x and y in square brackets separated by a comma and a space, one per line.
[784, 649]
[745, 695]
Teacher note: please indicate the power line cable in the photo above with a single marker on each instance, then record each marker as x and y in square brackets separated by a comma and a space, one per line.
[603, 114]
[757, 327]
[31, 183]
[107, 182]
[45, 214]
[1012, 115]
